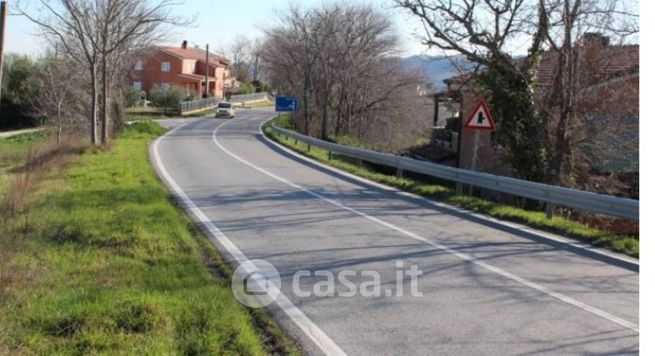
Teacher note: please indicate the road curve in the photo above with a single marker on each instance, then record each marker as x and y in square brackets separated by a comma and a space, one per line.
[486, 288]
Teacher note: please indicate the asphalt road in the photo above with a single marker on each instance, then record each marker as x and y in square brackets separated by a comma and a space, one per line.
[486, 288]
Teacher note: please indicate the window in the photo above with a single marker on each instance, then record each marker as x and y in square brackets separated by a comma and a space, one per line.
[165, 66]
[165, 86]
[138, 65]
[137, 85]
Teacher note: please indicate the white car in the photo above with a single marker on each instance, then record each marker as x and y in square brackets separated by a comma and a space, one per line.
[225, 109]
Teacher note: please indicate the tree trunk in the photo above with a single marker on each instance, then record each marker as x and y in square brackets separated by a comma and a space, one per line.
[561, 165]
[105, 101]
[94, 105]
[324, 117]
[59, 123]
[306, 103]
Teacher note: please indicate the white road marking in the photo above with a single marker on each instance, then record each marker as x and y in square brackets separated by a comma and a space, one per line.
[313, 332]
[588, 308]
[574, 244]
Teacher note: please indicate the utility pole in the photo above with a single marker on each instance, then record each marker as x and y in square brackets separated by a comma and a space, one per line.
[3, 25]
[207, 72]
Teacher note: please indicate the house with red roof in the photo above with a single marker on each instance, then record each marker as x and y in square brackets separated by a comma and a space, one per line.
[184, 67]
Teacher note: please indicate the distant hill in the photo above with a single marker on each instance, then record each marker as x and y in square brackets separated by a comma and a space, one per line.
[438, 68]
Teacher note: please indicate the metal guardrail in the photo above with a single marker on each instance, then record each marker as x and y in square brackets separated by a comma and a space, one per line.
[599, 203]
[201, 104]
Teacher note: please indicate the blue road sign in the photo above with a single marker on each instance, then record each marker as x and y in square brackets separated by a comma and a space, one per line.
[286, 103]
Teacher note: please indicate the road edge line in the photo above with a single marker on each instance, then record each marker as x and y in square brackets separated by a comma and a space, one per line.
[516, 226]
[468, 258]
[311, 330]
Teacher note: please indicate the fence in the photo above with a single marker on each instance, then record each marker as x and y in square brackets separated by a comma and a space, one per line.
[249, 97]
[196, 105]
[202, 104]
[552, 195]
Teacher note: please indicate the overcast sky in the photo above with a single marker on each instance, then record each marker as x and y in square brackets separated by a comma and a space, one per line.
[219, 21]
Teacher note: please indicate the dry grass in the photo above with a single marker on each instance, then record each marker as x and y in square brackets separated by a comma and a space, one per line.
[38, 163]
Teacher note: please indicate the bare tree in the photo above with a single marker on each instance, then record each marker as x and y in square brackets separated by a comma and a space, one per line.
[576, 30]
[98, 33]
[538, 120]
[72, 26]
[256, 50]
[337, 59]
[55, 81]
[239, 52]
[290, 57]
[482, 30]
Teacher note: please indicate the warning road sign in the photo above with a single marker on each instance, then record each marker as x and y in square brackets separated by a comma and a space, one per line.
[481, 118]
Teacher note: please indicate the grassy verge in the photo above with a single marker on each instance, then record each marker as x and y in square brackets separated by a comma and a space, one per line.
[573, 229]
[104, 263]
[151, 113]
[260, 104]
[13, 151]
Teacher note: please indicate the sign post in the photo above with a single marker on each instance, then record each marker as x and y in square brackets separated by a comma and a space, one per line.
[481, 119]
[287, 104]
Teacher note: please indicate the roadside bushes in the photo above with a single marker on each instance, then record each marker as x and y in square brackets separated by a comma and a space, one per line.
[167, 98]
[17, 88]
[131, 96]
[246, 88]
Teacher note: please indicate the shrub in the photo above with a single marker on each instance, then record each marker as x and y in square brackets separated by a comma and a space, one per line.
[167, 98]
[17, 89]
[246, 89]
[131, 96]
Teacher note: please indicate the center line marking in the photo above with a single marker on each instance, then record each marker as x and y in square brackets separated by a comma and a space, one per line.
[466, 257]
[313, 332]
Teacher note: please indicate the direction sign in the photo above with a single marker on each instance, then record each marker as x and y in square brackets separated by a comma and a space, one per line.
[286, 103]
[481, 118]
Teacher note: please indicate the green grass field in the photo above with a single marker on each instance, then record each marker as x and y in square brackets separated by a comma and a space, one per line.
[625, 244]
[261, 104]
[103, 262]
[13, 151]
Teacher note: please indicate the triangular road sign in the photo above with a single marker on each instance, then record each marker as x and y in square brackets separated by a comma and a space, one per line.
[481, 118]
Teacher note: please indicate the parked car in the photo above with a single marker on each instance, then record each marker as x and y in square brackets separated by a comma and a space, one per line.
[225, 109]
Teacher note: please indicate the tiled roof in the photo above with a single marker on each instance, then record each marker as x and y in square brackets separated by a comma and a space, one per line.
[597, 65]
[196, 54]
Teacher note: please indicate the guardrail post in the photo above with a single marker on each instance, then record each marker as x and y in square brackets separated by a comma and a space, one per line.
[309, 147]
[557, 196]
[329, 155]
[399, 172]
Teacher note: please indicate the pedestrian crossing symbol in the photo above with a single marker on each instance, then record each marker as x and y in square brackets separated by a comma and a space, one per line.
[481, 118]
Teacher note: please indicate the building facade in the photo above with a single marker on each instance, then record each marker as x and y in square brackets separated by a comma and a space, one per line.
[183, 67]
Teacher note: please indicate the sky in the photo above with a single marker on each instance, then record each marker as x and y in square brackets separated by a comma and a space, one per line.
[218, 22]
